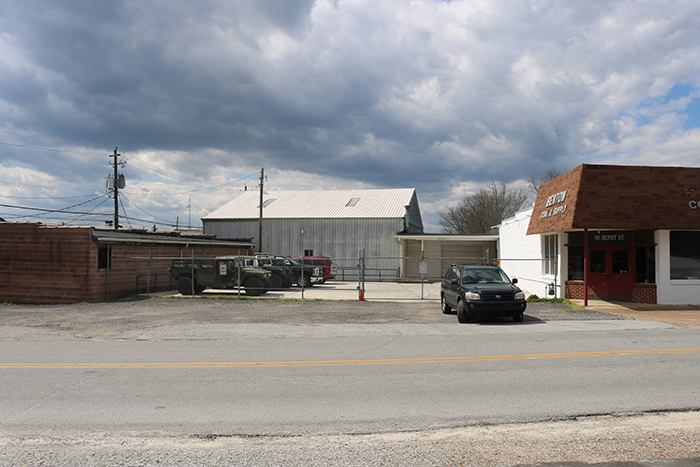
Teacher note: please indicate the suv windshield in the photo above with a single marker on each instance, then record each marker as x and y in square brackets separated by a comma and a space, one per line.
[484, 276]
[285, 262]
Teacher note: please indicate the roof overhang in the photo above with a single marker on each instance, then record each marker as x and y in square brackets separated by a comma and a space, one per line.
[138, 238]
[615, 197]
[448, 237]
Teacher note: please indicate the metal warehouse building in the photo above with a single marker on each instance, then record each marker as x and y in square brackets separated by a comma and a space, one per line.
[337, 224]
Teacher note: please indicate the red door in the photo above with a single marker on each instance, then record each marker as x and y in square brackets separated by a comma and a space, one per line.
[610, 275]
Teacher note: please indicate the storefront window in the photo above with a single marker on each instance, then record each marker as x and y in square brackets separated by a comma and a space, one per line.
[597, 261]
[620, 261]
[646, 264]
[575, 263]
[550, 255]
[685, 255]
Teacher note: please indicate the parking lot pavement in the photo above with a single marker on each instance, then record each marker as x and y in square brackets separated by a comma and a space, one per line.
[374, 291]
[679, 316]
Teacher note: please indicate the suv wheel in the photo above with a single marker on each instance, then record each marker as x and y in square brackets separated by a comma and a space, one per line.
[518, 318]
[447, 309]
[462, 313]
[302, 279]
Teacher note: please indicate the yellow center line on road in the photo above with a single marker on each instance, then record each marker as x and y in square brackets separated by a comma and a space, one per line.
[391, 361]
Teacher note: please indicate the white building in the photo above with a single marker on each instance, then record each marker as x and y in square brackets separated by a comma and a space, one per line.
[627, 233]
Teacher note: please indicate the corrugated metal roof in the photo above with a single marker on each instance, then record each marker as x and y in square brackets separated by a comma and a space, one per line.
[383, 204]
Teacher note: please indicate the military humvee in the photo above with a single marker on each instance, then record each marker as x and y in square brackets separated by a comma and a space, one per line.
[223, 272]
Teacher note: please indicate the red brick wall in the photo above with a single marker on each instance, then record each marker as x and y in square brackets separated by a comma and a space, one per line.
[641, 293]
[59, 264]
[41, 264]
[644, 293]
[574, 290]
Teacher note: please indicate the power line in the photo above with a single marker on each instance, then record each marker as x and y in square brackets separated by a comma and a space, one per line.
[24, 146]
[58, 211]
[142, 210]
[46, 197]
[38, 137]
[89, 212]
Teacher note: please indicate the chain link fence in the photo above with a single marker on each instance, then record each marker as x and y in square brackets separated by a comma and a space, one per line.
[354, 274]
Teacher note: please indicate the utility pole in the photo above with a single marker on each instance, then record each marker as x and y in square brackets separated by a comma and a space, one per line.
[117, 182]
[262, 177]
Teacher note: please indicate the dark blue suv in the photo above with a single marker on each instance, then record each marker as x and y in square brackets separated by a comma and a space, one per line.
[476, 290]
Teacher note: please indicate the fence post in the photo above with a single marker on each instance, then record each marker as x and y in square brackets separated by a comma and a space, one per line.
[148, 287]
[192, 281]
[238, 268]
[361, 274]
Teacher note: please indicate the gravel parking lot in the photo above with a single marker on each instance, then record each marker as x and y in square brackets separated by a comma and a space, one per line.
[109, 319]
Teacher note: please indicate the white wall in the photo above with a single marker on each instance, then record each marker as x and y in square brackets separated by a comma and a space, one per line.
[668, 292]
[521, 256]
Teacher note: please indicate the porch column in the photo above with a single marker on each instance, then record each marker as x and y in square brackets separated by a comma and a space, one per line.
[585, 267]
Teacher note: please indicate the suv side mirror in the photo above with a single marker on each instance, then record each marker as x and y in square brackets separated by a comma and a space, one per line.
[454, 281]
[515, 280]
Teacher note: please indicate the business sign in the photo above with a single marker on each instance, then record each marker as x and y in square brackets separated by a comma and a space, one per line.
[694, 203]
[609, 238]
[554, 205]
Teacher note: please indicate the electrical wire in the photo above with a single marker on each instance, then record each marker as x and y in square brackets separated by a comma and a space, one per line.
[125, 216]
[142, 210]
[59, 211]
[75, 219]
[37, 137]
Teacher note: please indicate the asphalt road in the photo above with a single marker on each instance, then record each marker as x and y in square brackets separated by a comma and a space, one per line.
[200, 368]
[373, 376]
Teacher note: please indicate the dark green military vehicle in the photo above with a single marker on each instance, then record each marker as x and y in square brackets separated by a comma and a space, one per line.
[223, 272]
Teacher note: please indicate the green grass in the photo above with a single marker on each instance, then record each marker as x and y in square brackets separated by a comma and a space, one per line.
[564, 301]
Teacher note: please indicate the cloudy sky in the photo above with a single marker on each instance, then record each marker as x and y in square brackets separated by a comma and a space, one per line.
[331, 94]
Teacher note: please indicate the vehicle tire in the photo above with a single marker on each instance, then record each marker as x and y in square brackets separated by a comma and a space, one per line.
[254, 287]
[275, 282]
[447, 309]
[287, 283]
[462, 313]
[303, 280]
[184, 285]
[518, 318]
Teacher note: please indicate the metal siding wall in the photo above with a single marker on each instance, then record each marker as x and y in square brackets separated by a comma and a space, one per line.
[340, 239]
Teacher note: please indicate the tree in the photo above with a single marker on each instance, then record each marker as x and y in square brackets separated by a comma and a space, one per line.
[550, 174]
[481, 211]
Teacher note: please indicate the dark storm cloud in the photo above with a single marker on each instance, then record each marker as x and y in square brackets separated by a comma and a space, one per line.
[435, 95]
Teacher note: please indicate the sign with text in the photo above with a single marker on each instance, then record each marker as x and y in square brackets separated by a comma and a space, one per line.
[602, 238]
[554, 205]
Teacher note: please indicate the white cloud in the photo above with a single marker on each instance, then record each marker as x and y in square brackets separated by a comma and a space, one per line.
[435, 95]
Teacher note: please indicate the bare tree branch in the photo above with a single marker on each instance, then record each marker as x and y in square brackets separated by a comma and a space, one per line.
[481, 211]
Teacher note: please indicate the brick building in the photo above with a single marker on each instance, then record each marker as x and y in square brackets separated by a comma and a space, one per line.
[42, 264]
[628, 233]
